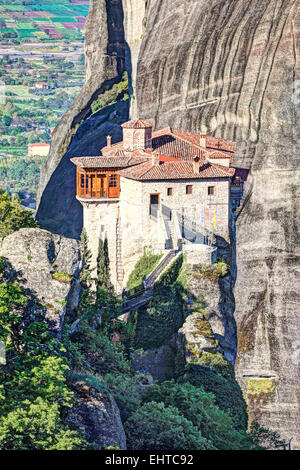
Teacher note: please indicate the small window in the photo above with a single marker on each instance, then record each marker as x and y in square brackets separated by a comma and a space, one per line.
[211, 190]
[113, 181]
[189, 189]
[170, 191]
[82, 181]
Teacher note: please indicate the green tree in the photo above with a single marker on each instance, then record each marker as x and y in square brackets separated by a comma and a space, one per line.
[12, 216]
[103, 272]
[33, 383]
[85, 275]
[154, 426]
[11, 300]
[264, 438]
[200, 408]
[37, 426]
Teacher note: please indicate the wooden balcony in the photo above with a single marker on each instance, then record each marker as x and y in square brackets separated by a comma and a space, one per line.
[97, 184]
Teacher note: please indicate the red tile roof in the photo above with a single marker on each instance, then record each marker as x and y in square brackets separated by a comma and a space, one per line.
[103, 162]
[176, 150]
[136, 124]
[175, 170]
[41, 144]
[220, 144]
[217, 154]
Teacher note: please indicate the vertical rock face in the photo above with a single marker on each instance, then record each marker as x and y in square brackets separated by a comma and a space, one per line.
[230, 68]
[105, 64]
[97, 416]
[135, 21]
[47, 266]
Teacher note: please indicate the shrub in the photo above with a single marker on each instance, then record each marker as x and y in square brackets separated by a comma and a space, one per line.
[216, 363]
[65, 278]
[170, 276]
[214, 271]
[37, 426]
[12, 216]
[264, 438]
[142, 269]
[126, 391]
[154, 426]
[116, 93]
[199, 407]
[228, 394]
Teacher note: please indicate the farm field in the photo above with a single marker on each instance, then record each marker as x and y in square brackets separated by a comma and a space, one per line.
[43, 20]
[41, 72]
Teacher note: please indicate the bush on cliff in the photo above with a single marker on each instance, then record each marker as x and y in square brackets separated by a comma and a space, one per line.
[116, 93]
[227, 392]
[142, 269]
[155, 426]
[199, 407]
[12, 216]
[33, 382]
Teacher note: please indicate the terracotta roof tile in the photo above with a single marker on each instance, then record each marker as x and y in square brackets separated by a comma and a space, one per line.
[175, 170]
[104, 162]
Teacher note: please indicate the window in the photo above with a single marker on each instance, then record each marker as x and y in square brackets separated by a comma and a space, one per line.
[189, 189]
[113, 181]
[154, 204]
[82, 181]
[170, 191]
[211, 190]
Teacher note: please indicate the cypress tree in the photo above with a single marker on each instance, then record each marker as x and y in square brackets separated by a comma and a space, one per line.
[103, 271]
[85, 277]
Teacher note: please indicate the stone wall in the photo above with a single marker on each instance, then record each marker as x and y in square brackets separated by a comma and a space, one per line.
[100, 220]
[140, 229]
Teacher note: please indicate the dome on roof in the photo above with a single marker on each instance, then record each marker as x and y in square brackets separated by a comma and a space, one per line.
[136, 124]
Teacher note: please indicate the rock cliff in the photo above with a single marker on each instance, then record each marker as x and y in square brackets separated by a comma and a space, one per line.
[105, 65]
[230, 68]
[97, 416]
[48, 267]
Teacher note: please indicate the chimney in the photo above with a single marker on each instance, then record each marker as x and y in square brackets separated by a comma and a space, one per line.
[155, 158]
[108, 140]
[196, 165]
[202, 139]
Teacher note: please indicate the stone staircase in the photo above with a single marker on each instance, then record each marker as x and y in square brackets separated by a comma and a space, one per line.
[143, 296]
[162, 265]
[171, 243]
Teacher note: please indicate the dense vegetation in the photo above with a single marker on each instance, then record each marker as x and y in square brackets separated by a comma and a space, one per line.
[117, 92]
[164, 315]
[12, 216]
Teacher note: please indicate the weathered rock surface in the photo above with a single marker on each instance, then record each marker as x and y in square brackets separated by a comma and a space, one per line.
[158, 362]
[34, 257]
[97, 416]
[218, 304]
[230, 67]
[105, 64]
